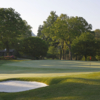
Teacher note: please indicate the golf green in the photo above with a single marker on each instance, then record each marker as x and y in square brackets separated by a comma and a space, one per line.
[67, 80]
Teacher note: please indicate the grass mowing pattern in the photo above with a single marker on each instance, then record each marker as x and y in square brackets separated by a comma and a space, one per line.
[64, 85]
[48, 66]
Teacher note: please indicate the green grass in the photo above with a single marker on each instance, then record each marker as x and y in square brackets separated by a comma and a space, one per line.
[67, 80]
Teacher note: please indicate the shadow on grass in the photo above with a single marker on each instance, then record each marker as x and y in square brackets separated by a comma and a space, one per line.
[46, 66]
[5, 62]
[60, 89]
[25, 70]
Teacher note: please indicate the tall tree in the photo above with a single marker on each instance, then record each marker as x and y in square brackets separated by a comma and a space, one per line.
[67, 28]
[39, 34]
[44, 30]
[12, 27]
[47, 25]
[84, 45]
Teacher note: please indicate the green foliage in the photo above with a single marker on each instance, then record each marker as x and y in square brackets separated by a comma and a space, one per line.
[63, 28]
[52, 52]
[97, 34]
[98, 57]
[98, 47]
[45, 31]
[84, 45]
[67, 28]
[47, 25]
[88, 58]
[35, 47]
[1, 45]
[12, 28]
[39, 34]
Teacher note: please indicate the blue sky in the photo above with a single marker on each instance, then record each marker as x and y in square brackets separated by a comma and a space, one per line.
[37, 11]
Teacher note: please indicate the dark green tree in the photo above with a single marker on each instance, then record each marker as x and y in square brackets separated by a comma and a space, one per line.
[98, 49]
[67, 28]
[84, 45]
[47, 25]
[35, 47]
[12, 28]
[97, 37]
[97, 34]
[39, 34]
[44, 31]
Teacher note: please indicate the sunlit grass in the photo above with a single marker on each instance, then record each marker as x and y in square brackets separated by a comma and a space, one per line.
[67, 80]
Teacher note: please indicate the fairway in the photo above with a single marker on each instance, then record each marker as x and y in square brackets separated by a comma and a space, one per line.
[67, 80]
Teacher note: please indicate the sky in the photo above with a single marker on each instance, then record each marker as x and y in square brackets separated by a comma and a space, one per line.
[37, 11]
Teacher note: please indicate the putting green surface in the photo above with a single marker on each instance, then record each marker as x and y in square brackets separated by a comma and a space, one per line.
[46, 68]
[67, 80]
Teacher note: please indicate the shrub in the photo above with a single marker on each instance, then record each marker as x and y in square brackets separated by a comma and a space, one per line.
[88, 58]
[7, 57]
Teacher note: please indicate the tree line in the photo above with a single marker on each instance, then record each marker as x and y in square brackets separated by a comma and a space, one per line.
[71, 35]
[15, 33]
[59, 36]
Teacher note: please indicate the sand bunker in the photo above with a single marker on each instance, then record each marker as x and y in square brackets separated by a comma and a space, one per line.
[18, 86]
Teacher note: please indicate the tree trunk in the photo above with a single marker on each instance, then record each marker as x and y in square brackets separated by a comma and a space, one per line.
[60, 53]
[63, 54]
[70, 53]
[62, 50]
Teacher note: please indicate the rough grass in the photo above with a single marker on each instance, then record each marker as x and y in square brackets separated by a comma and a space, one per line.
[67, 80]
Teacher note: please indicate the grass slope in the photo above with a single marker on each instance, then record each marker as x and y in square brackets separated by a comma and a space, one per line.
[67, 80]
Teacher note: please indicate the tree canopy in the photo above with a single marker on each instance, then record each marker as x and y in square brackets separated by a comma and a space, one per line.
[63, 30]
[67, 28]
[84, 45]
[12, 28]
[35, 47]
[97, 34]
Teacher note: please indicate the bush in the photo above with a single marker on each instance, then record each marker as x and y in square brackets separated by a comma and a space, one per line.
[98, 57]
[53, 56]
[88, 58]
[34, 47]
[7, 57]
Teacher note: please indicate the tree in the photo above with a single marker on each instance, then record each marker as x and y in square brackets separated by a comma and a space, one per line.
[97, 37]
[49, 33]
[39, 34]
[1, 45]
[12, 28]
[44, 30]
[47, 25]
[67, 28]
[35, 47]
[52, 52]
[97, 34]
[84, 45]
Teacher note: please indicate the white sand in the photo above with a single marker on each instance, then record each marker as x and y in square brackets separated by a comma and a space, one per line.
[18, 86]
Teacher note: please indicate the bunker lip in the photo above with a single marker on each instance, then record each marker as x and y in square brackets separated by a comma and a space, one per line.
[19, 86]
